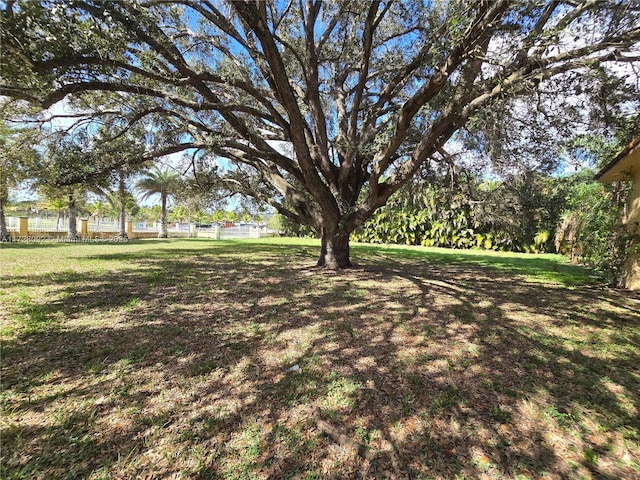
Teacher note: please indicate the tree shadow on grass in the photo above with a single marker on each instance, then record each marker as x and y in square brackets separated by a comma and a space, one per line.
[571, 355]
[181, 366]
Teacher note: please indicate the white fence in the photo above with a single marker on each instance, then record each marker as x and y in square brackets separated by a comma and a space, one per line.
[12, 224]
[243, 232]
[229, 233]
[37, 224]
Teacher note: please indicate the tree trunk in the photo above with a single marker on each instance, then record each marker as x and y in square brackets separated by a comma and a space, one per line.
[163, 217]
[334, 251]
[73, 231]
[123, 212]
[4, 233]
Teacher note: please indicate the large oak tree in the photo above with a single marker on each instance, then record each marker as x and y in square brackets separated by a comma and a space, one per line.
[363, 93]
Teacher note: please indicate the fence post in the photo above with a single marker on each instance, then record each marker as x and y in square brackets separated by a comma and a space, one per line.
[84, 227]
[216, 232]
[129, 229]
[24, 226]
[192, 231]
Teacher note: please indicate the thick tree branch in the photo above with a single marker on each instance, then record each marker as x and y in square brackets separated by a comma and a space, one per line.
[475, 34]
[316, 186]
[318, 116]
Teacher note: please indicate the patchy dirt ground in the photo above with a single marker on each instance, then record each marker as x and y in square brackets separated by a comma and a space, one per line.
[239, 360]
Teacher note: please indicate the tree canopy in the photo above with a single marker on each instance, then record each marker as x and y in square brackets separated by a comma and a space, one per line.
[328, 108]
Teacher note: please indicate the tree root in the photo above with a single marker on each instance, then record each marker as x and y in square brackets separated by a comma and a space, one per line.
[339, 437]
[345, 441]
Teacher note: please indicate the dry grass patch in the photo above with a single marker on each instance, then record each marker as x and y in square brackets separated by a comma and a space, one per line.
[173, 359]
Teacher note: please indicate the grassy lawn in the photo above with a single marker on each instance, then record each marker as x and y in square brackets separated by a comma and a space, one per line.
[172, 359]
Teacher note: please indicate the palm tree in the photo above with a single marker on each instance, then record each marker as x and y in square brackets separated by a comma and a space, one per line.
[59, 204]
[122, 201]
[230, 216]
[164, 183]
[98, 210]
[218, 216]
[180, 213]
[73, 198]
[122, 192]
[61, 199]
